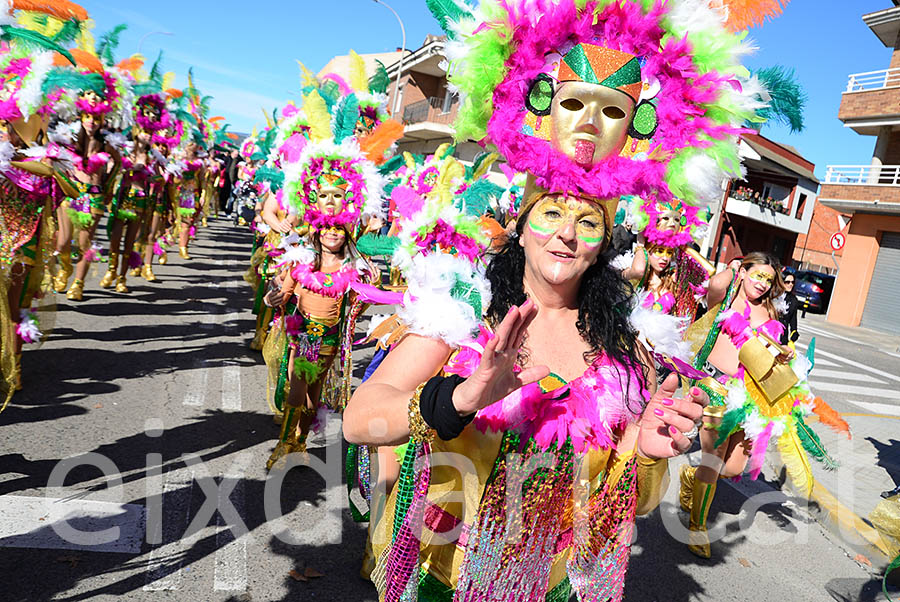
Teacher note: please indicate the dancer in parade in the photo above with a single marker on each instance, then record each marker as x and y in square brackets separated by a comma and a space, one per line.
[329, 185]
[32, 185]
[758, 390]
[537, 356]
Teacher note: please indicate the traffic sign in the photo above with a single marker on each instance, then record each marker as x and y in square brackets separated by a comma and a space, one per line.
[837, 241]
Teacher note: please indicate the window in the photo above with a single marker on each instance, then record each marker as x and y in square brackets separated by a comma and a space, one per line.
[801, 203]
[449, 99]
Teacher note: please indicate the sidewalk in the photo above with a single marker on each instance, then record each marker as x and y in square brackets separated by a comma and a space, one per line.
[847, 500]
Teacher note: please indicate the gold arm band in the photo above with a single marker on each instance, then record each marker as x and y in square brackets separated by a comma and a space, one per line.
[418, 429]
[653, 480]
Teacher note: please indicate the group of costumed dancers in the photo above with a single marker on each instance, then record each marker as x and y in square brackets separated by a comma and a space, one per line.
[86, 136]
[523, 399]
[528, 386]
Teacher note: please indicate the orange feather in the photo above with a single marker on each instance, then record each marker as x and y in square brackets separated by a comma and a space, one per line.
[828, 415]
[83, 60]
[215, 119]
[61, 9]
[381, 139]
[743, 14]
[174, 92]
[131, 64]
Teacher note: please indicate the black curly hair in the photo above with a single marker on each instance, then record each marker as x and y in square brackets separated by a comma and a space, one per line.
[604, 304]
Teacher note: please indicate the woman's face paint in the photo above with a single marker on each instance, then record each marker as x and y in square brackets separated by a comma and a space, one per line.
[551, 214]
[660, 258]
[563, 237]
[758, 281]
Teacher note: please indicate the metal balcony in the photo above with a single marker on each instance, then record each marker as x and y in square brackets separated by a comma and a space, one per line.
[873, 80]
[863, 175]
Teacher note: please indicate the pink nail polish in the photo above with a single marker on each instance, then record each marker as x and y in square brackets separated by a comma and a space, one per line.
[673, 430]
[696, 392]
[658, 412]
[667, 402]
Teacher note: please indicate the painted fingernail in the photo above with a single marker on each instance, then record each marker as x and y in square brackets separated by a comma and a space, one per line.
[658, 412]
[667, 402]
[673, 430]
[696, 392]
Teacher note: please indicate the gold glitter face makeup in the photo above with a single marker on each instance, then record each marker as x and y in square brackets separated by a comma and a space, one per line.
[665, 252]
[762, 277]
[554, 212]
[590, 121]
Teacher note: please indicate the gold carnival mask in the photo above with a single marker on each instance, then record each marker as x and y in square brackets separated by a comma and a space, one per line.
[590, 122]
[553, 212]
[584, 102]
[671, 216]
[330, 199]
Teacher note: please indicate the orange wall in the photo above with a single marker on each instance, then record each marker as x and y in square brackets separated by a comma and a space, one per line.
[857, 265]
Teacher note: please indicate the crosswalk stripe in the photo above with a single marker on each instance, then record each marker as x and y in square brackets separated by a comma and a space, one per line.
[164, 563]
[850, 362]
[231, 388]
[845, 375]
[231, 553]
[28, 522]
[197, 383]
[878, 408]
[816, 386]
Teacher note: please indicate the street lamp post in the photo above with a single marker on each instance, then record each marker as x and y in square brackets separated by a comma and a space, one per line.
[397, 97]
[148, 34]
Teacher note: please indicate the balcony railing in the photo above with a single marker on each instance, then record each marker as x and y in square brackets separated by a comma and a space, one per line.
[433, 109]
[863, 175]
[873, 80]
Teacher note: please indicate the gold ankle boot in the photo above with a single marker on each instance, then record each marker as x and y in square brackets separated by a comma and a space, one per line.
[686, 476]
[61, 280]
[287, 442]
[109, 278]
[204, 222]
[76, 291]
[183, 252]
[121, 286]
[163, 259]
[147, 273]
[135, 272]
[701, 499]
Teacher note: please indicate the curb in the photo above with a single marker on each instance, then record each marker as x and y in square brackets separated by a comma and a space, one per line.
[836, 514]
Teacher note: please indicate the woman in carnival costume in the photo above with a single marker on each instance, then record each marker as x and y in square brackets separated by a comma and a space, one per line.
[32, 185]
[589, 100]
[758, 390]
[330, 183]
[103, 102]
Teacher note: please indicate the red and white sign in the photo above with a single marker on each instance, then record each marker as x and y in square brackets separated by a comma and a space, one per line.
[837, 241]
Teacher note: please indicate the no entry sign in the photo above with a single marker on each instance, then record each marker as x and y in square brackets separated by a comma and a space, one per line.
[837, 241]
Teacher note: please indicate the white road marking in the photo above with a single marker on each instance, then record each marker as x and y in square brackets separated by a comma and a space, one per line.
[825, 333]
[844, 360]
[164, 562]
[231, 552]
[878, 408]
[231, 388]
[845, 375]
[26, 522]
[823, 362]
[197, 383]
[853, 390]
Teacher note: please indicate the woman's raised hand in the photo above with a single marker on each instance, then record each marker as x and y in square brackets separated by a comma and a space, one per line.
[666, 420]
[495, 377]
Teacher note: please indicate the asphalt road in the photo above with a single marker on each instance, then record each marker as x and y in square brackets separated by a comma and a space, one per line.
[159, 391]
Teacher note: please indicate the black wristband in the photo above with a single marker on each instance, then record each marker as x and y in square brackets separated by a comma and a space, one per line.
[438, 411]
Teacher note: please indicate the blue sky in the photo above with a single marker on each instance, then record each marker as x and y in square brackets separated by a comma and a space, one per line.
[244, 53]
